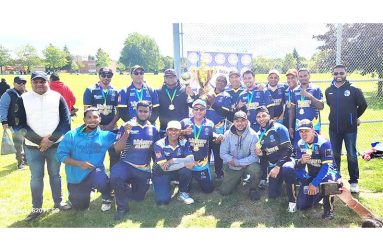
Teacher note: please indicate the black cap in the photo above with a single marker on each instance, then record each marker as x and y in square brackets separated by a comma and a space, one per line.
[305, 124]
[261, 109]
[136, 67]
[54, 77]
[39, 74]
[105, 70]
[19, 79]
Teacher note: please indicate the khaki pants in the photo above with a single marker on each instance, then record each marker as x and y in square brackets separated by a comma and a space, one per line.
[233, 177]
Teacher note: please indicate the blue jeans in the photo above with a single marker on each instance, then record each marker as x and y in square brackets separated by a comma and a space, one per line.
[352, 157]
[36, 161]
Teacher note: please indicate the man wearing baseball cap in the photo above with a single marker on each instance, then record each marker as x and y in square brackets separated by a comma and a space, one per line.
[173, 100]
[292, 82]
[234, 89]
[44, 116]
[238, 155]
[137, 91]
[9, 120]
[199, 132]
[315, 155]
[277, 92]
[173, 161]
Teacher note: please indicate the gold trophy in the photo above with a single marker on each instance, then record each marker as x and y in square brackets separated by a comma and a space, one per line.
[186, 79]
[204, 75]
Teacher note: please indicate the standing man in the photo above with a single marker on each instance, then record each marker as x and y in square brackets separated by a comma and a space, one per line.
[274, 150]
[307, 102]
[3, 86]
[218, 107]
[44, 116]
[136, 92]
[104, 97]
[173, 161]
[253, 97]
[292, 82]
[347, 104]
[277, 92]
[8, 112]
[239, 156]
[56, 85]
[199, 131]
[315, 164]
[235, 89]
[130, 177]
[173, 100]
[83, 152]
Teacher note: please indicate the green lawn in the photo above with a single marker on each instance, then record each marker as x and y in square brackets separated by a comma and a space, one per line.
[210, 210]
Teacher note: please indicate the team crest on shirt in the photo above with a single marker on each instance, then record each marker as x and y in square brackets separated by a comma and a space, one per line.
[206, 131]
[257, 95]
[158, 155]
[328, 153]
[272, 139]
[346, 93]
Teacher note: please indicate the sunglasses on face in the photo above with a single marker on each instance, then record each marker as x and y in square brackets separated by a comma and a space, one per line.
[199, 109]
[339, 73]
[22, 83]
[138, 73]
[106, 75]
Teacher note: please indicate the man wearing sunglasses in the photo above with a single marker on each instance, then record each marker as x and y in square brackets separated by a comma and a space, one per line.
[347, 104]
[105, 97]
[136, 92]
[8, 109]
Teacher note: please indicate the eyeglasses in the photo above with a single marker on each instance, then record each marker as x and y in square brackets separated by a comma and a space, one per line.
[138, 73]
[106, 75]
[339, 73]
[22, 83]
[199, 109]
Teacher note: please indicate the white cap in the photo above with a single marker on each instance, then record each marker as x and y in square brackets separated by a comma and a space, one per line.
[276, 72]
[174, 124]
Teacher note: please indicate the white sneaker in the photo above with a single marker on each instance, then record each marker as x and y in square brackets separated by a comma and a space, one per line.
[292, 207]
[106, 205]
[354, 188]
[185, 197]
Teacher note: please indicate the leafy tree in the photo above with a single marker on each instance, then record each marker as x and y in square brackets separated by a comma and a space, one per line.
[142, 50]
[5, 58]
[262, 65]
[362, 48]
[27, 57]
[121, 67]
[297, 59]
[54, 58]
[74, 66]
[289, 62]
[168, 62]
[102, 58]
[69, 58]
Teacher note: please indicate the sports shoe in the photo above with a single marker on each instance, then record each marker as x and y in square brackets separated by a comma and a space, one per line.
[174, 183]
[262, 184]
[33, 215]
[354, 188]
[63, 206]
[246, 180]
[21, 165]
[106, 205]
[329, 215]
[120, 214]
[292, 207]
[185, 197]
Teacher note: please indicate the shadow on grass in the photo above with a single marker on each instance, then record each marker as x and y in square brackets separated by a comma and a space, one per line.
[6, 170]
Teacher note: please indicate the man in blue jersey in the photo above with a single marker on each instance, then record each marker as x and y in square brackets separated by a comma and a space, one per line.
[234, 89]
[218, 105]
[173, 161]
[277, 92]
[83, 152]
[274, 150]
[130, 177]
[199, 131]
[315, 164]
[173, 100]
[105, 97]
[292, 82]
[137, 91]
[307, 102]
[253, 97]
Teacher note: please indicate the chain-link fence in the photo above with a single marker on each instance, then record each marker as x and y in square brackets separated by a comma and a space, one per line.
[318, 47]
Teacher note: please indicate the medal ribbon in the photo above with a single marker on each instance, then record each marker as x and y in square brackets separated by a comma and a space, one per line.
[308, 148]
[171, 97]
[263, 133]
[196, 135]
[302, 100]
[139, 95]
[250, 97]
[104, 96]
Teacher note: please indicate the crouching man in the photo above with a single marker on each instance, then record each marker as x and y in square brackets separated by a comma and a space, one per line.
[83, 152]
[238, 154]
[174, 160]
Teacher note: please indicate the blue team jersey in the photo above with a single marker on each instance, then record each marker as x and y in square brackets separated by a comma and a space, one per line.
[199, 144]
[223, 101]
[130, 96]
[303, 107]
[254, 99]
[164, 151]
[106, 102]
[234, 94]
[81, 146]
[274, 135]
[321, 163]
[138, 150]
[278, 97]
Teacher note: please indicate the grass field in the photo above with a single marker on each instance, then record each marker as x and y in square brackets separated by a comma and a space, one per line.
[210, 210]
